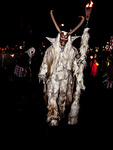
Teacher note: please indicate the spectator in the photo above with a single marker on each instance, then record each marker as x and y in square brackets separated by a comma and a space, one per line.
[22, 72]
[110, 75]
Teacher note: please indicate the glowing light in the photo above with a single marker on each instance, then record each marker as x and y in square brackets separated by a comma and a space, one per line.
[62, 25]
[90, 4]
[88, 9]
[95, 55]
[96, 50]
[97, 63]
[91, 57]
[108, 63]
[12, 55]
[20, 47]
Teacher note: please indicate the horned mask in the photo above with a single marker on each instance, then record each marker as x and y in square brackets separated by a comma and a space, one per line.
[63, 34]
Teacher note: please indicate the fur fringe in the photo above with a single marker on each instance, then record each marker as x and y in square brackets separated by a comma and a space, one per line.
[73, 115]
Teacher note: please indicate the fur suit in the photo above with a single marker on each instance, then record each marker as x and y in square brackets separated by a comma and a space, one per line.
[59, 68]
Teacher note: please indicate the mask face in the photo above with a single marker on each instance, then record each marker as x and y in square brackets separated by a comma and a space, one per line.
[63, 38]
[31, 52]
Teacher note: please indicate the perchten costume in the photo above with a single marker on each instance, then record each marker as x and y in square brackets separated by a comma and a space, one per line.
[61, 71]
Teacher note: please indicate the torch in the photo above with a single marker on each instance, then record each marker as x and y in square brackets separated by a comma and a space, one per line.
[88, 9]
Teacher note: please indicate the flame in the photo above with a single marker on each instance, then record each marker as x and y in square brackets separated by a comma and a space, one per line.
[90, 4]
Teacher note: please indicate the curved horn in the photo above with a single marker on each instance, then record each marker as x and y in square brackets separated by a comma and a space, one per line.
[81, 22]
[57, 27]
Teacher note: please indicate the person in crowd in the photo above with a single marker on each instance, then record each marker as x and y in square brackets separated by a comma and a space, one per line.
[110, 75]
[23, 73]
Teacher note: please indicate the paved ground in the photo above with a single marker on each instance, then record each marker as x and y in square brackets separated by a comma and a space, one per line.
[23, 118]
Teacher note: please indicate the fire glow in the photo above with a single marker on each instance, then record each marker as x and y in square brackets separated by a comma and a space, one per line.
[88, 9]
[90, 4]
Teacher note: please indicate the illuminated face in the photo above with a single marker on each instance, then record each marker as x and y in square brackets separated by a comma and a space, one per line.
[63, 38]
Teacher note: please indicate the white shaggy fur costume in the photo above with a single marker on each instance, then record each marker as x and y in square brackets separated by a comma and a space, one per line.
[58, 71]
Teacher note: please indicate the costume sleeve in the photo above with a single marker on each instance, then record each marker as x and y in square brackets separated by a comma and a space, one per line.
[45, 64]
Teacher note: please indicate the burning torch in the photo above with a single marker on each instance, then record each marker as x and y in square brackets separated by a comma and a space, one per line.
[88, 9]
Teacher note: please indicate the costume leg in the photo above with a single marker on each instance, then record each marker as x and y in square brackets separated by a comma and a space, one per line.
[73, 115]
[70, 87]
[62, 96]
[52, 115]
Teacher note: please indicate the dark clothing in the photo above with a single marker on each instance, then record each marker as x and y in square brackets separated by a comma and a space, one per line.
[23, 60]
[22, 82]
[110, 72]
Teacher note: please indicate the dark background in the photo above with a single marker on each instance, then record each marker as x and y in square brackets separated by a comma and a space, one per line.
[22, 20]
[23, 118]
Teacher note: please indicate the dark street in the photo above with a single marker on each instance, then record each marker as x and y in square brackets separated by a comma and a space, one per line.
[23, 117]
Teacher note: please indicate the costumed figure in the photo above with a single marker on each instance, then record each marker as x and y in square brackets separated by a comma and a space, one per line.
[31, 53]
[110, 75]
[62, 67]
[111, 43]
[22, 70]
[93, 66]
[108, 82]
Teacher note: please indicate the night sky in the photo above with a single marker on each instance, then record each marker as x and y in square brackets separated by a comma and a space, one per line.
[31, 20]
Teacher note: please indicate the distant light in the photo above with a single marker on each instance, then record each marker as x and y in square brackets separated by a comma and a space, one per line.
[62, 25]
[91, 49]
[12, 55]
[95, 55]
[97, 63]
[108, 63]
[91, 57]
[96, 50]
[20, 47]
